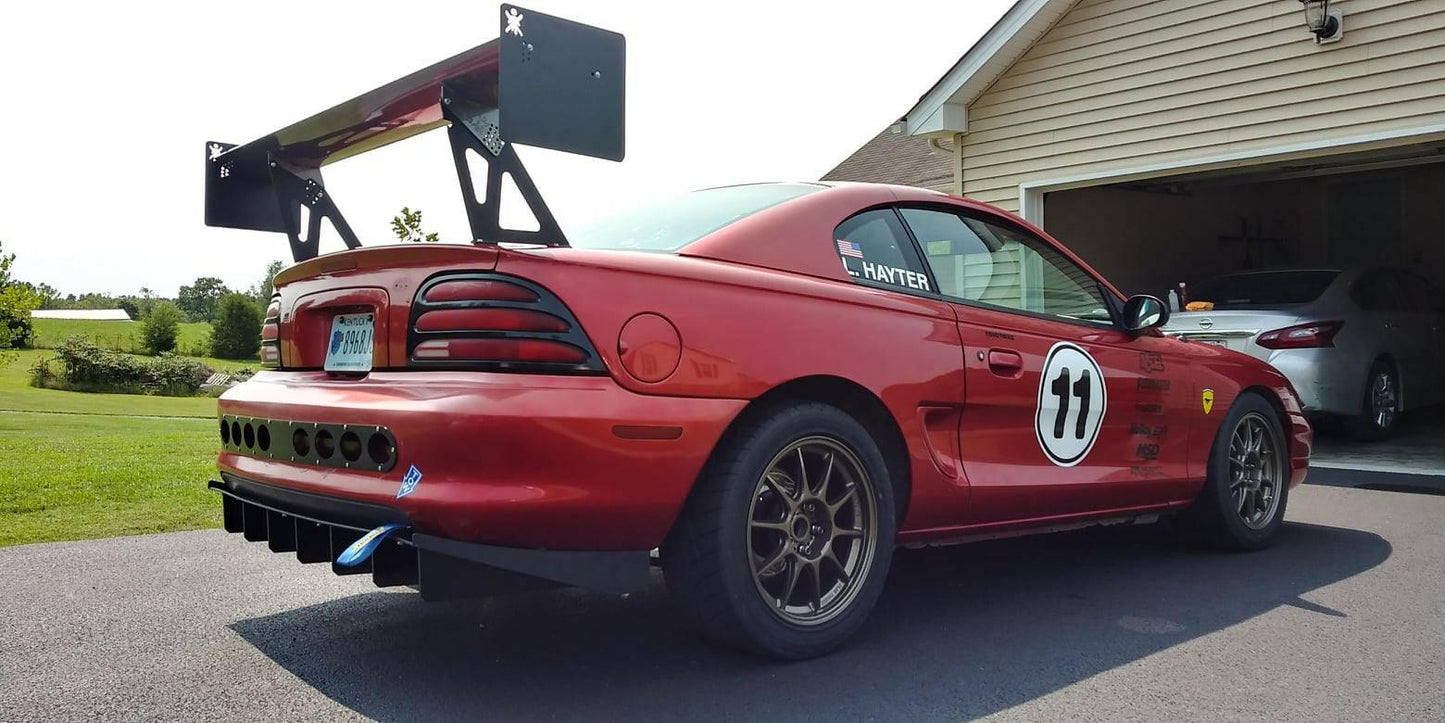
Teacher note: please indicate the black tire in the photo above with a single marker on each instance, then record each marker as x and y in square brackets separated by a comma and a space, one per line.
[1217, 518]
[708, 558]
[1368, 426]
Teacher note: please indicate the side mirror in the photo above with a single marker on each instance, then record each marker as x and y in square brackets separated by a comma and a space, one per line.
[1144, 312]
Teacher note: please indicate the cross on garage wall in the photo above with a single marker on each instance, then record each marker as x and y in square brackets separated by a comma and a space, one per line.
[1256, 249]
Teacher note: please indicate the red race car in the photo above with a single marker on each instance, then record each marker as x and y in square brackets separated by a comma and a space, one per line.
[768, 386]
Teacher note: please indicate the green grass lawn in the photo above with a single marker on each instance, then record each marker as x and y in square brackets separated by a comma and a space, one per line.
[75, 465]
[118, 335]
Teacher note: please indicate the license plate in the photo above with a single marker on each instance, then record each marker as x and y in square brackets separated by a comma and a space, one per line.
[1216, 342]
[349, 349]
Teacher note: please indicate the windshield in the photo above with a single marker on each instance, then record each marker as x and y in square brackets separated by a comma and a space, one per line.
[1269, 288]
[669, 225]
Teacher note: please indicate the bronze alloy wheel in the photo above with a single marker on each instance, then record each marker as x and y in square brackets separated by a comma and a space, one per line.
[1256, 470]
[812, 531]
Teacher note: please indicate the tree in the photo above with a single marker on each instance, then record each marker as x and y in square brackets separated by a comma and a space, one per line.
[161, 327]
[407, 227]
[199, 300]
[16, 302]
[267, 287]
[7, 261]
[236, 331]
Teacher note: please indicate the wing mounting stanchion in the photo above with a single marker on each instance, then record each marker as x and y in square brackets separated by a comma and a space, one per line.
[297, 187]
[475, 128]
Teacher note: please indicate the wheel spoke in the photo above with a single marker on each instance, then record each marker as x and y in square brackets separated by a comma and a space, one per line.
[771, 526]
[816, 601]
[771, 480]
[847, 534]
[782, 553]
[829, 556]
[794, 572]
[849, 494]
[804, 489]
[827, 479]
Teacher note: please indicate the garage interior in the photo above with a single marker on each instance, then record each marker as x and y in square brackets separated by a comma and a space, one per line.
[1384, 207]
[1381, 207]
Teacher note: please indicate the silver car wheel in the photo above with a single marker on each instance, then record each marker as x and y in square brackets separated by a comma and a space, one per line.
[1384, 399]
[1256, 470]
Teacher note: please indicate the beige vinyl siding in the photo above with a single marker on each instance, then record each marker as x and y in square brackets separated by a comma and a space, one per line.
[1127, 83]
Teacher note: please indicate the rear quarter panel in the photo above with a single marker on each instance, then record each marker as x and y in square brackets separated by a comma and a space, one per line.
[746, 331]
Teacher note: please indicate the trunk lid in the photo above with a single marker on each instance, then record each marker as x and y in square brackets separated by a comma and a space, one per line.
[1235, 329]
[379, 280]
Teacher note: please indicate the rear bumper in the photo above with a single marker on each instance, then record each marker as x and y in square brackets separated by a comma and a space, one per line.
[526, 461]
[318, 529]
[1327, 380]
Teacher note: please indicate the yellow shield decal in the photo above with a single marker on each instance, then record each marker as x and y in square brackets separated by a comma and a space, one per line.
[1208, 401]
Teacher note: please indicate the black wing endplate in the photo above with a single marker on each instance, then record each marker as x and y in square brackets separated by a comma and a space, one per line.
[545, 82]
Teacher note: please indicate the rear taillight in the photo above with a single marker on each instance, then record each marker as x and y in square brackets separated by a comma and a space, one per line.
[271, 335]
[495, 322]
[1302, 336]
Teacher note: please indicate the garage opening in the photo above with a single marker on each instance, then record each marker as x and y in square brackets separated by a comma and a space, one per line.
[1381, 208]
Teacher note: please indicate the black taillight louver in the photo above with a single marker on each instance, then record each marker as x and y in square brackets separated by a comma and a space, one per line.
[495, 322]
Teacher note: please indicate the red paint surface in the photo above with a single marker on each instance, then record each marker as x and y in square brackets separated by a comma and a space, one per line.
[536, 460]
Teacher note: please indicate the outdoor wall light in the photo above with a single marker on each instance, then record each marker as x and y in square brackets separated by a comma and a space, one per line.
[1326, 24]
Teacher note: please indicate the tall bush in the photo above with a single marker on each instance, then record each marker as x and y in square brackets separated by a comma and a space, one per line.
[89, 367]
[161, 328]
[236, 332]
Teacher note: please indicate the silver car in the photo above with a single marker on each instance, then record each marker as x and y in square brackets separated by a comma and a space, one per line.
[1361, 344]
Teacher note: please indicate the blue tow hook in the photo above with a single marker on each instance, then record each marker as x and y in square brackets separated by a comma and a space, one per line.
[360, 550]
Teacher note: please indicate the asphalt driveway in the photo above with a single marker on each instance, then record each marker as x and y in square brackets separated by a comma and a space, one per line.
[1343, 619]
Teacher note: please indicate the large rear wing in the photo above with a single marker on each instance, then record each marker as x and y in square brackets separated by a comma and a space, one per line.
[544, 81]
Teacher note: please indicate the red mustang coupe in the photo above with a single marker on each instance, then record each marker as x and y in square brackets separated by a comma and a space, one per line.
[772, 386]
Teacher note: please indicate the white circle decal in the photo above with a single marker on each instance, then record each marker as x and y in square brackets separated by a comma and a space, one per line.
[1072, 401]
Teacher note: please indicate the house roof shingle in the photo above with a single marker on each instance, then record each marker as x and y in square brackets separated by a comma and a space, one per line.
[895, 158]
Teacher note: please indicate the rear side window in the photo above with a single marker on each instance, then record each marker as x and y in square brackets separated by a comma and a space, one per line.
[874, 247]
[1378, 291]
[1424, 296]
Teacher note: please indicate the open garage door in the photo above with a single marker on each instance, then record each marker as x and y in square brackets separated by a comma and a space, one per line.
[1387, 207]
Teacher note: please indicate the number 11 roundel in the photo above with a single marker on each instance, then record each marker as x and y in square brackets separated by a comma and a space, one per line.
[1072, 402]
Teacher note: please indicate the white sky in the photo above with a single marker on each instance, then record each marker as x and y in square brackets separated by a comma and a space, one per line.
[107, 107]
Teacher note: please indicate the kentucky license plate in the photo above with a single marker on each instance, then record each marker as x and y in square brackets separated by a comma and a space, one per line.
[349, 349]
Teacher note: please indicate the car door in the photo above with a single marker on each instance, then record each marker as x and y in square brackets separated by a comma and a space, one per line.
[1064, 413]
[1403, 335]
[1427, 306]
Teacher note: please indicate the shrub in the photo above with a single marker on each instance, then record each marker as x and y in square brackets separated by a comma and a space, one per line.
[16, 327]
[161, 328]
[236, 332]
[88, 367]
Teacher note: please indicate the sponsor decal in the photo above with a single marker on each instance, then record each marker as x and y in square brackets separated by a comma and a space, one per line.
[1149, 408]
[1071, 404]
[1147, 451]
[1151, 431]
[997, 334]
[409, 481]
[896, 276]
[1208, 399]
[1151, 362]
[1150, 384]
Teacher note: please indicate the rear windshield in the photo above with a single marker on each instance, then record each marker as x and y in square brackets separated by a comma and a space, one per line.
[1266, 288]
[677, 222]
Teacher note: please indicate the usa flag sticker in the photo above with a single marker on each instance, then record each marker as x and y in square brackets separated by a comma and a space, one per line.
[850, 249]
